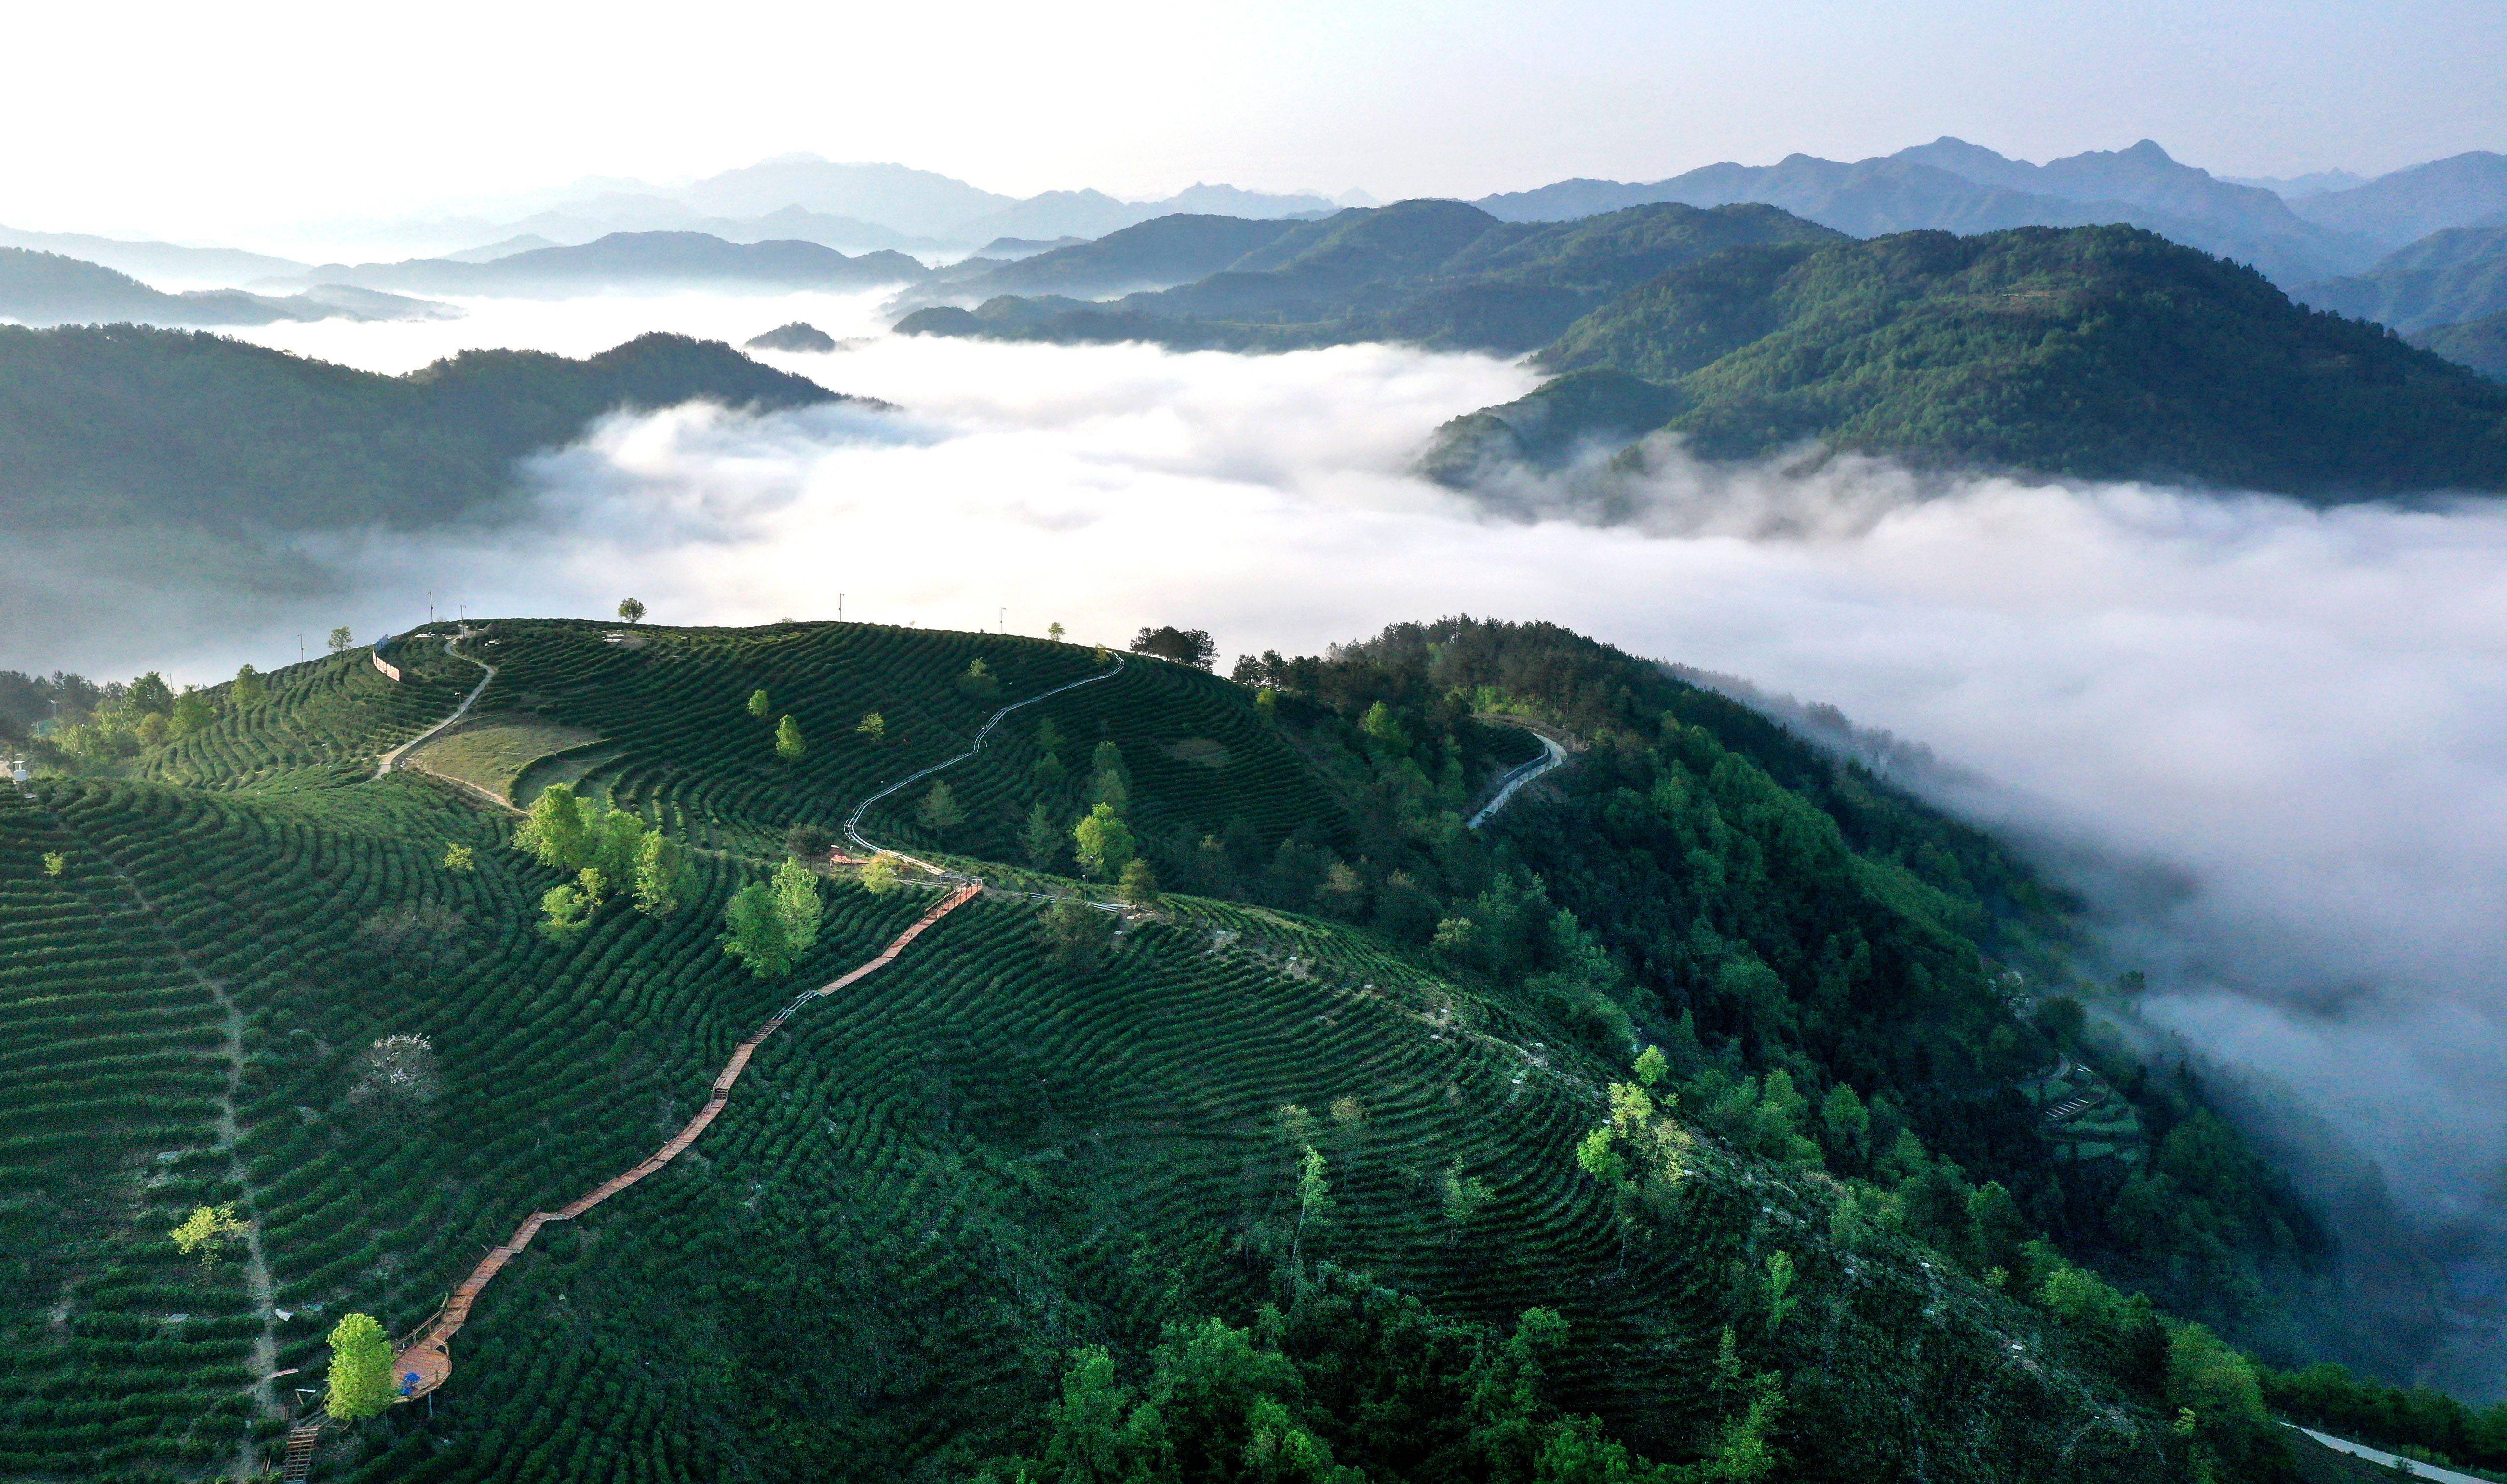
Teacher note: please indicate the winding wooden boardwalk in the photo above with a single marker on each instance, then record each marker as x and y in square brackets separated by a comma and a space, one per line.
[428, 1355]
[424, 1357]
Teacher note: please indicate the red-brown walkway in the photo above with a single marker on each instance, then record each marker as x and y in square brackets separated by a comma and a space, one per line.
[428, 1352]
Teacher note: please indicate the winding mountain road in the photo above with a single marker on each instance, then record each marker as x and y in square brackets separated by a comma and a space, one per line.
[852, 821]
[1553, 757]
[391, 760]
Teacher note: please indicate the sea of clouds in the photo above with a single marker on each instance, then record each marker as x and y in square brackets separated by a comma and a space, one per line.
[2270, 742]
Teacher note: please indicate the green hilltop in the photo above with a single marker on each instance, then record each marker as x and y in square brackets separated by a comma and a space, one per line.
[2103, 352]
[103, 424]
[1716, 1112]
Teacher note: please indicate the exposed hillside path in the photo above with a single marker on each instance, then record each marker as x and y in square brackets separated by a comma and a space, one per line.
[263, 1358]
[852, 821]
[426, 1356]
[391, 760]
[1553, 756]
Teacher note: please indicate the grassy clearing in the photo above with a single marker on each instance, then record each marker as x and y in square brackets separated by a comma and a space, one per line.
[492, 752]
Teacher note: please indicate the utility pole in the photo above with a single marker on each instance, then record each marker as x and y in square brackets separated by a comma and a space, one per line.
[840, 607]
[300, 647]
[430, 605]
[1006, 619]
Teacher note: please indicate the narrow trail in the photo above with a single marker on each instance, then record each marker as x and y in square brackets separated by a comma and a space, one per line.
[391, 760]
[983, 734]
[1553, 757]
[263, 1358]
[423, 1358]
[427, 1356]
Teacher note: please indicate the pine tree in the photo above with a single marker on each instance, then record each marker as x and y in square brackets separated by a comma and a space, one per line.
[938, 812]
[1140, 883]
[758, 705]
[1041, 840]
[788, 741]
[249, 688]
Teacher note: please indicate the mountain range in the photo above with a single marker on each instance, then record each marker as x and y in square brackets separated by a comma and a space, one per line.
[631, 259]
[2454, 274]
[1953, 186]
[154, 260]
[2459, 191]
[43, 288]
[861, 207]
[2101, 353]
[1432, 273]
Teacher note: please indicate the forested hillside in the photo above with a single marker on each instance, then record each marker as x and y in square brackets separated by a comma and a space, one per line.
[1714, 1113]
[1162, 251]
[2445, 278]
[2097, 352]
[1431, 272]
[2480, 343]
[123, 422]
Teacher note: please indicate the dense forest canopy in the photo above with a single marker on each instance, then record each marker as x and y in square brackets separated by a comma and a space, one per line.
[2095, 352]
[118, 423]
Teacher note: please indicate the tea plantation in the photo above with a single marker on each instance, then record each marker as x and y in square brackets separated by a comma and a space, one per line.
[1300, 1102]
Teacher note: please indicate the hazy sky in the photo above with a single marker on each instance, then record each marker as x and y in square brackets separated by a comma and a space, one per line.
[226, 119]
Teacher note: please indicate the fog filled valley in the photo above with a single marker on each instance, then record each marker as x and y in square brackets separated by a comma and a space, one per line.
[2199, 784]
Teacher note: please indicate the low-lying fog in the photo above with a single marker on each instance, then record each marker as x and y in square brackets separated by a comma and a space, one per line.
[2291, 719]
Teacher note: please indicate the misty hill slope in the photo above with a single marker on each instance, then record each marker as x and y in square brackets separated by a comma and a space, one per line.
[2460, 190]
[1375, 1044]
[124, 423]
[922, 201]
[588, 219]
[1159, 253]
[1952, 186]
[631, 259]
[2445, 278]
[153, 260]
[1432, 273]
[42, 288]
[2480, 343]
[2097, 352]
[886, 206]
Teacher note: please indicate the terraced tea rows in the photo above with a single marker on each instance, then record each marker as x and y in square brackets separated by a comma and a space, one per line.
[676, 742]
[939, 1180]
[328, 716]
[335, 936]
[121, 1351]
